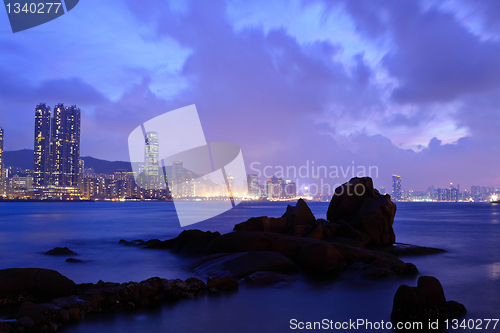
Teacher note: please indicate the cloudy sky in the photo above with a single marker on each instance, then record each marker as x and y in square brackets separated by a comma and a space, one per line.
[412, 87]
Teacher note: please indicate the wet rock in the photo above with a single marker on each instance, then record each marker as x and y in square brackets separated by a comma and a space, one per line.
[74, 260]
[317, 233]
[320, 258]
[299, 214]
[424, 302]
[267, 279]
[188, 243]
[263, 224]
[290, 246]
[42, 284]
[361, 206]
[300, 230]
[26, 321]
[239, 265]
[242, 241]
[60, 251]
[405, 269]
[226, 283]
[401, 249]
[252, 224]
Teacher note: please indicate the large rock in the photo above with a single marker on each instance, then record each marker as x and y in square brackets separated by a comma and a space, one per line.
[289, 246]
[41, 284]
[242, 241]
[60, 251]
[298, 215]
[263, 223]
[189, 242]
[320, 258]
[424, 302]
[239, 265]
[361, 206]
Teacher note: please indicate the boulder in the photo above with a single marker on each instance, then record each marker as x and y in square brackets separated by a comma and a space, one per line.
[300, 230]
[74, 260]
[263, 223]
[290, 246]
[242, 241]
[188, 243]
[298, 215]
[60, 251]
[355, 254]
[267, 279]
[362, 207]
[317, 233]
[41, 284]
[252, 224]
[424, 302]
[239, 265]
[226, 283]
[320, 258]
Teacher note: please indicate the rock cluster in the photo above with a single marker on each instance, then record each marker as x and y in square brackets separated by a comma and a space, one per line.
[365, 209]
[39, 315]
[357, 215]
[424, 302]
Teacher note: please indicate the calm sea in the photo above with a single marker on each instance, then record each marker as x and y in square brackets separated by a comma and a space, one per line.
[469, 271]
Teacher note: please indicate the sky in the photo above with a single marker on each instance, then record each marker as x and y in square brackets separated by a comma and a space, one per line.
[406, 87]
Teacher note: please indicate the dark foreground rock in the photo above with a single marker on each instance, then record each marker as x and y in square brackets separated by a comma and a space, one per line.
[36, 284]
[267, 279]
[55, 313]
[188, 242]
[242, 264]
[401, 249]
[60, 251]
[423, 303]
[365, 209]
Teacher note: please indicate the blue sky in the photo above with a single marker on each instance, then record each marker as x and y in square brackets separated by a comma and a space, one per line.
[411, 87]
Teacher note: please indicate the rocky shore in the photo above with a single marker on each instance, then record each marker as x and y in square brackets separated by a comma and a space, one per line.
[43, 300]
[357, 240]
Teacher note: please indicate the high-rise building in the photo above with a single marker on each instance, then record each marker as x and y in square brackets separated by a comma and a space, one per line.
[151, 169]
[41, 169]
[65, 146]
[396, 187]
[177, 175]
[2, 185]
[253, 185]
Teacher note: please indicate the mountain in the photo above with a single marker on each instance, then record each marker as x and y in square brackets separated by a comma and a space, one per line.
[24, 159]
[103, 166]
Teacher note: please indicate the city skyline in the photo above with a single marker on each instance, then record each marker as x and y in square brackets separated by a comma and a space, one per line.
[288, 82]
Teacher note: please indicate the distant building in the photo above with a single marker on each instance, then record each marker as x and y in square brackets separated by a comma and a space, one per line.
[177, 178]
[396, 187]
[253, 185]
[151, 154]
[19, 186]
[382, 190]
[290, 189]
[65, 146]
[41, 169]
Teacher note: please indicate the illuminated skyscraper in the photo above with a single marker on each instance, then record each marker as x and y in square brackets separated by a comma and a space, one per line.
[396, 187]
[42, 146]
[65, 146]
[177, 173]
[253, 185]
[151, 169]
